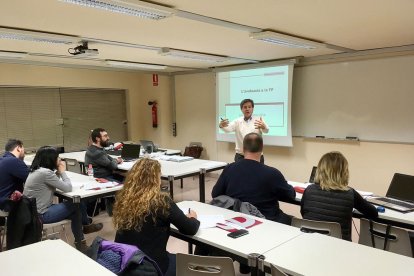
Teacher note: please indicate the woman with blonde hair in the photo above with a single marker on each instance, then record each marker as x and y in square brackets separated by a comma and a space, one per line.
[143, 214]
[330, 198]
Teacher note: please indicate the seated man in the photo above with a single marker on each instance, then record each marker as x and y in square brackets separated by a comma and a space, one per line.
[103, 164]
[13, 170]
[250, 181]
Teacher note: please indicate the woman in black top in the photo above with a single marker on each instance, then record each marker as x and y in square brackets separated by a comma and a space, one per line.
[142, 214]
[330, 199]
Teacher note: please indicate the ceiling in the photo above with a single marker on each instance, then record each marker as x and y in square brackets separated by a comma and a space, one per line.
[217, 27]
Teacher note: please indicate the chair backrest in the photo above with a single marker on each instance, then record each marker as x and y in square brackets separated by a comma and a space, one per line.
[193, 151]
[193, 265]
[385, 237]
[276, 271]
[332, 229]
[72, 165]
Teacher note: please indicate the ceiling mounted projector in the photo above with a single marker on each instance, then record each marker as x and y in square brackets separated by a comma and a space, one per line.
[83, 50]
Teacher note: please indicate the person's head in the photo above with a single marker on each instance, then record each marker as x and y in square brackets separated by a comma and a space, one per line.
[15, 147]
[253, 143]
[141, 196]
[46, 157]
[332, 172]
[247, 107]
[100, 137]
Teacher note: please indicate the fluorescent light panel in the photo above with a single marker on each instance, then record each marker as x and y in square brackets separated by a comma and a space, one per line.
[6, 33]
[191, 55]
[134, 65]
[128, 7]
[12, 55]
[286, 40]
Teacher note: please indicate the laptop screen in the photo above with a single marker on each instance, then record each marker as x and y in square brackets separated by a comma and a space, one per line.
[402, 187]
[312, 176]
[130, 151]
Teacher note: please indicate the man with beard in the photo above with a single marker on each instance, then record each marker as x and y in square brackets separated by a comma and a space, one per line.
[103, 165]
[13, 170]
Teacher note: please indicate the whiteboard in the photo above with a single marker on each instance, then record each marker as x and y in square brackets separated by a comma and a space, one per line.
[369, 99]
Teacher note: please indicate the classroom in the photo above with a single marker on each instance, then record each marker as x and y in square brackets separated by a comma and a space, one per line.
[357, 81]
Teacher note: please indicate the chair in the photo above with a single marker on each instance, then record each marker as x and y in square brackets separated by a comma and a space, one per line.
[73, 165]
[193, 265]
[276, 271]
[3, 229]
[194, 150]
[385, 237]
[332, 229]
[53, 226]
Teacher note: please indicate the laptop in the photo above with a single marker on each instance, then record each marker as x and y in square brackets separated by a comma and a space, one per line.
[130, 152]
[400, 194]
[312, 176]
[148, 146]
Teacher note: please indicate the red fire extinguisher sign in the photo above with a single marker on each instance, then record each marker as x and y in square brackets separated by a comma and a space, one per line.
[154, 79]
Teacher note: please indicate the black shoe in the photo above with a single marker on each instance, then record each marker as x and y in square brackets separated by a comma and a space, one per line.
[93, 227]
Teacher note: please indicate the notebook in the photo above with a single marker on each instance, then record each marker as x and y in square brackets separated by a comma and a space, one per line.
[400, 194]
[130, 152]
[148, 146]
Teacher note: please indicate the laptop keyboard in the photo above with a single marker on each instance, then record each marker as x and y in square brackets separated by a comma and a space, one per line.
[397, 202]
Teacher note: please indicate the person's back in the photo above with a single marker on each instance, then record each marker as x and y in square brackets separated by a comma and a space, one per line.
[13, 170]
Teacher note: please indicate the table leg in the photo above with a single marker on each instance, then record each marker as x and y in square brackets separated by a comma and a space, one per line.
[76, 201]
[256, 263]
[171, 181]
[202, 185]
[190, 248]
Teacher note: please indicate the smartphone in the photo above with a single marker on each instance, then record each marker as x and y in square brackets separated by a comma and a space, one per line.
[238, 233]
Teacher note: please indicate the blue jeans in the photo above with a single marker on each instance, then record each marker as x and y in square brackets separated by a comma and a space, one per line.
[172, 265]
[67, 210]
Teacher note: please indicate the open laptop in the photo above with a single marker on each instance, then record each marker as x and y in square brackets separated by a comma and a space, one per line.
[130, 152]
[148, 146]
[312, 176]
[400, 194]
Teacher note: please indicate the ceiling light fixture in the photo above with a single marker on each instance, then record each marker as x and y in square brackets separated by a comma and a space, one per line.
[134, 65]
[192, 55]
[128, 7]
[12, 55]
[14, 34]
[286, 40]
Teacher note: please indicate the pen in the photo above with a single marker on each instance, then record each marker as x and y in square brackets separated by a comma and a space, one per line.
[189, 209]
[221, 119]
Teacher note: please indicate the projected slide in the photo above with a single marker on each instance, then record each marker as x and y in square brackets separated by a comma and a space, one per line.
[269, 88]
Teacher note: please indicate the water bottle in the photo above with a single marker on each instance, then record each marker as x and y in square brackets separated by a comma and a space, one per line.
[90, 171]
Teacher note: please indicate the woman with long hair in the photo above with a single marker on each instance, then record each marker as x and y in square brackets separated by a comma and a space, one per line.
[47, 173]
[330, 198]
[143, 214]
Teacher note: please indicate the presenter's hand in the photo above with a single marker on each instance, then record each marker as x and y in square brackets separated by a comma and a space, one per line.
[259, 124]
[192, 214]
[224, 123]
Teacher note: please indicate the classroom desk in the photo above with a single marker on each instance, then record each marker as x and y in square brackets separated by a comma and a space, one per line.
[261, 238]
[404, 220]
[320, 255]
[49, 258]
[178, 170]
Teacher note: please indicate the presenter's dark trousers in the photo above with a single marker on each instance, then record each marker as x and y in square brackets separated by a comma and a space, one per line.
[238, 157]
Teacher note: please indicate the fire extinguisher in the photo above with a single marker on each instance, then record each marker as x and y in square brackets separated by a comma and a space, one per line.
[154, 114]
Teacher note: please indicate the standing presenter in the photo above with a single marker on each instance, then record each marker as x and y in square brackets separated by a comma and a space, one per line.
[243, 126]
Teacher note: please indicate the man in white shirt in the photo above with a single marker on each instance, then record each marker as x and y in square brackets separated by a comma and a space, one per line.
[243, 126]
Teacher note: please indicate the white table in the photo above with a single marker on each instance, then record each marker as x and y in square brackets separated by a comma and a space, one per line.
[261, 238]
[169, 170]
[50, 257]
[320, 255]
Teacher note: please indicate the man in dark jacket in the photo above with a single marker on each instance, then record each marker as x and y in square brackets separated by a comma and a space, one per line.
[13, 170]
[103, 164]
[250, 181]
